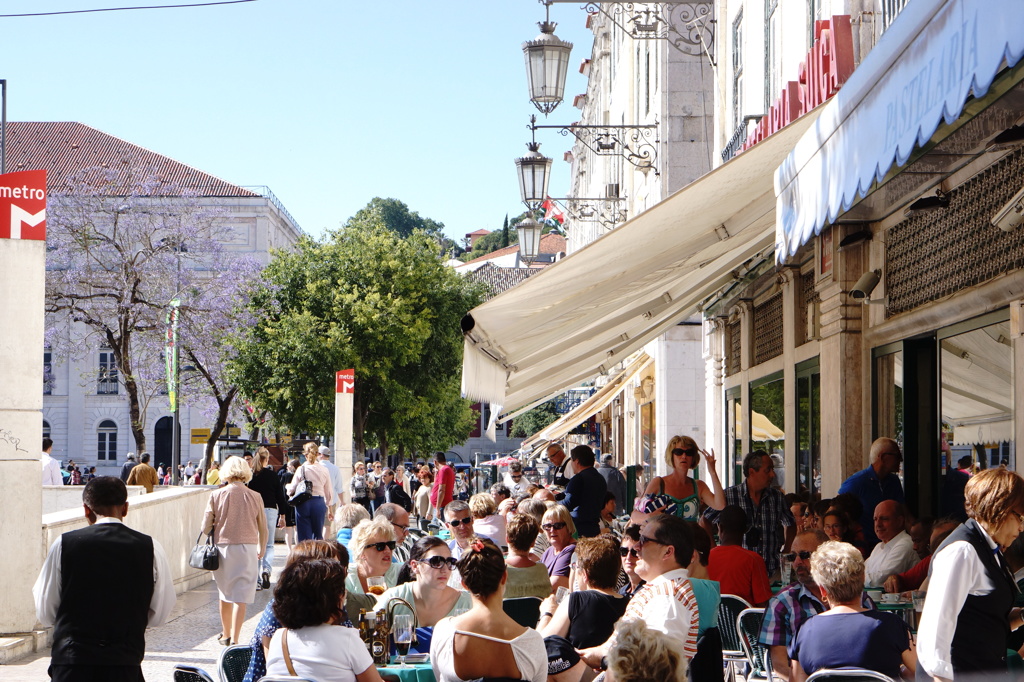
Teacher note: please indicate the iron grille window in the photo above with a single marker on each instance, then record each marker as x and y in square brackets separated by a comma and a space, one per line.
[737, 69]
[733, 348]
[47, 373]
[106, 440]
[107, 382]
[890, 10]
[768, 329]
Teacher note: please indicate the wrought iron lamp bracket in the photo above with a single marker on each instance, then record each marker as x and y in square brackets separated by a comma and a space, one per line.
[637, 144]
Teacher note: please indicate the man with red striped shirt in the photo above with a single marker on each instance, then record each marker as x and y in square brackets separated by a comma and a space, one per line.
[666, 603]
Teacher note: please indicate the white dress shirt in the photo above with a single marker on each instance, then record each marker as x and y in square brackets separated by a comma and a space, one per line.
[888, 558]
[51, 470]
[956, 572]
[335, 472]
[46, 591]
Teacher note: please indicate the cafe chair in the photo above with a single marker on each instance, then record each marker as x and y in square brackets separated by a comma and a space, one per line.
[847, 675]
[234, 662]
[523, 610]
[190, 673]
[732, 650]
[748, 624]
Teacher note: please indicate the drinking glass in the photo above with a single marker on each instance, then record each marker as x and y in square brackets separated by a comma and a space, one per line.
[375, 585]
[402, 631]
[918, 597]
[785, 570]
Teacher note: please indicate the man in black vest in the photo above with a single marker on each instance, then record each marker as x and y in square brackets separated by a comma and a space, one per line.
[969, 612]
[100, 587]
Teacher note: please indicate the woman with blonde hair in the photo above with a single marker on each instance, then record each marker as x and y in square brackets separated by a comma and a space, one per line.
[486, 520]
[641, 654]
[371, 548]
[268, 485]
[234, 515]
[561, 533]
[310, 515]
[679, 494]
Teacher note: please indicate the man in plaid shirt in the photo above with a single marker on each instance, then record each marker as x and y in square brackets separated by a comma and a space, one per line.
[765, 507]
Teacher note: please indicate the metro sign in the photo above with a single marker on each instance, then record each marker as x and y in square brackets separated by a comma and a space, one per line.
[345, 381]
[23, 205]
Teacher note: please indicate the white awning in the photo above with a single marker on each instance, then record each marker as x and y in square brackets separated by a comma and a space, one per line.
[934, 56]
[595, 307]
[589, 407]
[761, 427]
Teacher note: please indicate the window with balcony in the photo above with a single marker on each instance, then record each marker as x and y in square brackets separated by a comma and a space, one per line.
[107, 377]
[890, 10]
[106, 441]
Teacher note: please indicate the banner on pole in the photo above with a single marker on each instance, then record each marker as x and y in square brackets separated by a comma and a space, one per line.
[23, 205]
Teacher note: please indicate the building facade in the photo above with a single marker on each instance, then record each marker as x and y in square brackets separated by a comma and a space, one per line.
[85, 410]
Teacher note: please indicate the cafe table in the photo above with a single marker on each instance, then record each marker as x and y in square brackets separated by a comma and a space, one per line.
[903, 608]
[414, 672]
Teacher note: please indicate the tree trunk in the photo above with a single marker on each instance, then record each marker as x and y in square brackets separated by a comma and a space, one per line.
[122, 358]
[383, 438]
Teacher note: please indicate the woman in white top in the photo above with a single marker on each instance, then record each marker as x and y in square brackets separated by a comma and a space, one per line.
[309, 603]
[485, 642]
[421, 502]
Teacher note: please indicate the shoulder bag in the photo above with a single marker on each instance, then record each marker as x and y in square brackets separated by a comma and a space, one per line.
[284, 652]
[303, 490]
[204, 555]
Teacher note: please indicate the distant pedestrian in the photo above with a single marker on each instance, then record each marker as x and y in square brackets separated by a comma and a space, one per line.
[336, 484]
[268, 485]
[121, 584]
[443, 490]
[213, 474]
[127, 466]
[616, 483]
[359, 486]
[143, 474]
[51, 467]
[310, 515]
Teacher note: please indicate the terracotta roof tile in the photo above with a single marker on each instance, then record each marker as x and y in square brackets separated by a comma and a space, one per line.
[499, 279]
[64, 148]
[549, 243]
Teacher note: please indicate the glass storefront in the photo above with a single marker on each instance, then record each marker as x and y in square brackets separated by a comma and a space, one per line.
[767, 416]
[733, 437]
[808, 393]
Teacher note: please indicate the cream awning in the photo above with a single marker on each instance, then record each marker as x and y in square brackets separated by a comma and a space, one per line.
[589, 407]
[595, 307]
[761, 427]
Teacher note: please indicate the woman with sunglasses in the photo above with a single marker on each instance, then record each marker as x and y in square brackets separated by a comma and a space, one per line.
[423, 582]
[371, 548]
[629, 552]
[679, 494]
[560, 531]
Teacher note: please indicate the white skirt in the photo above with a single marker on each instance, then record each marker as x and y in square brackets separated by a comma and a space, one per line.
[236, 576]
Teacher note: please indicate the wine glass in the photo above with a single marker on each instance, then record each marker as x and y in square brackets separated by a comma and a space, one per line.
[402, 630]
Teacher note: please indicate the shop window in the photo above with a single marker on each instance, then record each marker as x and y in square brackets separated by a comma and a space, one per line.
[767, 416]
[808, 396]
[733, 437]
[106, 441]
[977, 380]
[47, 373]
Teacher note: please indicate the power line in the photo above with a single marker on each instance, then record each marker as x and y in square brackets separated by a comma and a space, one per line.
[121, 9]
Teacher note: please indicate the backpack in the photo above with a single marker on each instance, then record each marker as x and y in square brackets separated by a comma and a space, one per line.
[397, 495]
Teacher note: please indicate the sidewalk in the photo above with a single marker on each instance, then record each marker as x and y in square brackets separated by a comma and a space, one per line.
[189, 636]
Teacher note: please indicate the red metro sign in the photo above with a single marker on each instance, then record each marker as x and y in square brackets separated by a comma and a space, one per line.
[829, 63]
[345, 381]
[23, 205]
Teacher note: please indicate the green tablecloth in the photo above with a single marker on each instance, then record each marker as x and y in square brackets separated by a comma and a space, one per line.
[416, 672]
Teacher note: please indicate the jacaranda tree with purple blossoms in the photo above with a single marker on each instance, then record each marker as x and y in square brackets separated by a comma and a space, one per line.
[121, 247]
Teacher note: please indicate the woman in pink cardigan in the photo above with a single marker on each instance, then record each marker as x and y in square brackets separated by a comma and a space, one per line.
[236, 519]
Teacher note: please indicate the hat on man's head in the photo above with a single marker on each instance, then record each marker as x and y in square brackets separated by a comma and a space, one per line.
[325, 451]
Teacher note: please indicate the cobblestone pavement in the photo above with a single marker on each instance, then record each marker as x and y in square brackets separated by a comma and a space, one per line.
[189, 636]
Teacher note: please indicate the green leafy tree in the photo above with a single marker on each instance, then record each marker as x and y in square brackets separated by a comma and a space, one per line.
[505, 239]
[532, 421]
[366, 298]
[396, 216]
[506, 236]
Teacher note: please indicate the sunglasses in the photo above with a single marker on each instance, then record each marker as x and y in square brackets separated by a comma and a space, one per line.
[558, 525]
[438, 562]
[516, 477]
[381, 546]
[644, 540]
[465, 522]
[629, 551]
[793, 555]
[689, 452]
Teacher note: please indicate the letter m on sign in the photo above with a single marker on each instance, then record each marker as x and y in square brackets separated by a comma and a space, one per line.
[23, 205]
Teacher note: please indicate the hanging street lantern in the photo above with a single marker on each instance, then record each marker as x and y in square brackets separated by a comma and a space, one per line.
[534, 171]
[547, 61]
[529, 239]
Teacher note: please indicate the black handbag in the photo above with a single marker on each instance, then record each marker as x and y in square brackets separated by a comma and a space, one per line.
[303, 492]
[204, 555]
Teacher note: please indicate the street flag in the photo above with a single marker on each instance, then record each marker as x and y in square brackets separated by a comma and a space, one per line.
[171, 354]
[551, 212]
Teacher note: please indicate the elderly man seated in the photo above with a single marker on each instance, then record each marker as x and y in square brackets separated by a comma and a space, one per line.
[895, 551]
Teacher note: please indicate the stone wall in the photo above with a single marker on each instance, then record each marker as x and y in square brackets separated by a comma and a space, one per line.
[69, 497]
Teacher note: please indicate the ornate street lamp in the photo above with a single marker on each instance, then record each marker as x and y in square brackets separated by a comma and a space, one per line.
[529, 239]
[547, 61]
[534, 171]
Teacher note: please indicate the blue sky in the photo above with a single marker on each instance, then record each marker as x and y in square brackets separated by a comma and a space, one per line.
[329, 103]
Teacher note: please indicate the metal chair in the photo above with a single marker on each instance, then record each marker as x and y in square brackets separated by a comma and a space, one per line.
[234, 662]
[748, 624]
[523, 610]
[190, 673]
[732, 649]
[847, 675]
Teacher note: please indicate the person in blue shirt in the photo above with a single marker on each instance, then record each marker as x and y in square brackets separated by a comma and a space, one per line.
[878, 483]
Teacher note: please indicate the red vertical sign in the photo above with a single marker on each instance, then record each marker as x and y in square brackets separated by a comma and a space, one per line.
[23, 205]
[345, 381]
